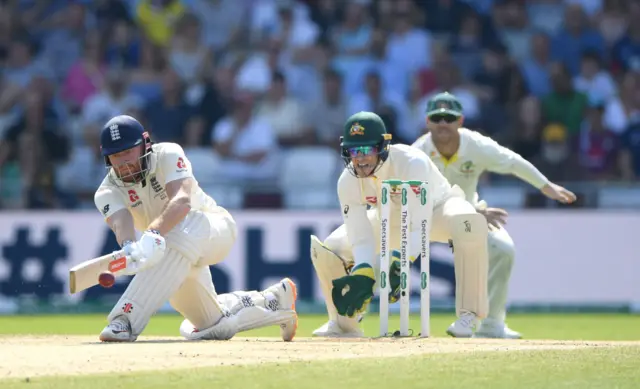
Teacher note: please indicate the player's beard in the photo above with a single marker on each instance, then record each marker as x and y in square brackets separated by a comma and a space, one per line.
[130, 174]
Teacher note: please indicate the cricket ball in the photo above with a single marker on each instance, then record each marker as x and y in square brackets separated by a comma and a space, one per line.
[106, 279]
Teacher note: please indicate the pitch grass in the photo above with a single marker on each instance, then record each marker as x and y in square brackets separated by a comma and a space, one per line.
[602, 368]
[533, 326]
[599, 368]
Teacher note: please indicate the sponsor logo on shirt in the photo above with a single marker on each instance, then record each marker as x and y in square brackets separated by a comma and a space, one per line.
[182, 165]
[157, 188]
[155, 184]
[133, 198]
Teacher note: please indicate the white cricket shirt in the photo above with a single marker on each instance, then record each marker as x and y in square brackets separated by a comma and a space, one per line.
[355, 194]
[478, 153]
[146, 200]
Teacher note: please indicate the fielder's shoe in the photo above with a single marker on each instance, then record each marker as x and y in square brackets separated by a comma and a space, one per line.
[495, 329]
[464, 326]
[332, 329]
[286, 293]
[119, 330]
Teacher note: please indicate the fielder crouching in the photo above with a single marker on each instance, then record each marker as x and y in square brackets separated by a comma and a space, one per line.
[347, 262]
[463, 155]
[151, 188]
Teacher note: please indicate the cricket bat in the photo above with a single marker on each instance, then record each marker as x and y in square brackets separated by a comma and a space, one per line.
[85, 275]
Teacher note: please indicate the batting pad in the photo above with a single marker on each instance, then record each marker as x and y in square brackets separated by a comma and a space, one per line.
[471, 261]
[243, 311]
[150, 289]
[196, 299]
[329, 267]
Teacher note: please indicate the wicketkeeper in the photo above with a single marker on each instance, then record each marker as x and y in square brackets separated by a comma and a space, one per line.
[347, 262]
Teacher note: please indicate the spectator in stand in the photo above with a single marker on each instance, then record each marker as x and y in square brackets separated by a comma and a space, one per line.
[598, 147]
[86, 75]
[389, 105]
[329, 113]
[613, 21]
[111, 100]
[556, 159]
[245, 143]
[629, 157]
[536, 68]
[158, 19]
[123, 45]
[285, 115]
[168, 118]
[593, 79]
[576, 37]
[626, 52]
[180, 62]
[564, 105]
[624, 108]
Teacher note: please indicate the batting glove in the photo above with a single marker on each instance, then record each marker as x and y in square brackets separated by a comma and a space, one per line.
[146, 252]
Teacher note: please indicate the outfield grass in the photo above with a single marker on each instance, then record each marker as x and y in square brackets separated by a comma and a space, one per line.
[533, 326]
[602, 367]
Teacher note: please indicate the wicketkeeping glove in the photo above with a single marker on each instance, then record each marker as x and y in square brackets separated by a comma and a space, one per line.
[352, 294]
[394, 276]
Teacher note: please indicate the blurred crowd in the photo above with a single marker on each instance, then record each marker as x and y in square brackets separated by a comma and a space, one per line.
[244, 82]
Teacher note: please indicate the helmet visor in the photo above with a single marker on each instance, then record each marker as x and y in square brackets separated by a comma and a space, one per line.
[361, 151]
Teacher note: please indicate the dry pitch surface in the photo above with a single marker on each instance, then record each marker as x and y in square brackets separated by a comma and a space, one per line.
[78, 355]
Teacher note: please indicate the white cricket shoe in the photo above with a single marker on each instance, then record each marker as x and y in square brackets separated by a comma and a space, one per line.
[119, 330]
[496, 329]
[286, 292]
[464, 326]
[332, 329]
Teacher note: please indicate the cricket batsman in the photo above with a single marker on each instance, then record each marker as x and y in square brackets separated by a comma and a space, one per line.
[347, 261]
[151, 188]
[462, 155]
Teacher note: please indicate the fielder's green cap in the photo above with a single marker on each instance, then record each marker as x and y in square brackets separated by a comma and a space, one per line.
[444, 103]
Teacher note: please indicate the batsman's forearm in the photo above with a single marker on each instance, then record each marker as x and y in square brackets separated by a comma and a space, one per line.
[121, 223]
[175, 211]
[525, 171]
[123, 234]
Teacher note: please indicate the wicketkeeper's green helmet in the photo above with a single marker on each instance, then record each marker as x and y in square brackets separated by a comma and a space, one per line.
[364, 133]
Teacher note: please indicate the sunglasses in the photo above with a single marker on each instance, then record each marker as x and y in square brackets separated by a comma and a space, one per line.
[443, 116]
[362, 151]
